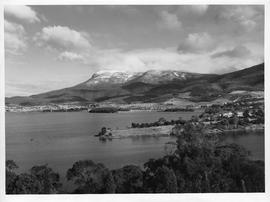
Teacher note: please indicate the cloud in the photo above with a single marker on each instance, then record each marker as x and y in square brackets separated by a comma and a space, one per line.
[24, 13]
[243, 15]
[197, 42]
[236, 52]
[71, 56]
[166, 59]
[27, 87]
[15, 38]
[225, 70]
[197, 9]
[62, 38]
[169, 20]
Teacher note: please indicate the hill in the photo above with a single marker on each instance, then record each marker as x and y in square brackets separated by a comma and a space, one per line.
[151, 86]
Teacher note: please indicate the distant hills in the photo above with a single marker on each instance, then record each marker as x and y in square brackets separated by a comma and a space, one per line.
[150, 86]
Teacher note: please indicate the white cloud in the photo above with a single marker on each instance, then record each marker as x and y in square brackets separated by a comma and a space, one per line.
[166, 59]
[243, 15]
[197, 42]
[62, 38]
[169, 20]
[15, 38]
[236, 52]
[70, 56]
[24, 13]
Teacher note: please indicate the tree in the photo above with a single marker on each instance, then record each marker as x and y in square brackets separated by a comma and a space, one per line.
[159, 176]
[20, 184]
[91, 178]
[253, 176]
[49, 180]
[128, 179]
[235, 120]
[165, 181]
[202, 164]
[11, 165]
[194, 118]
[161, 121]
[10, 176]
[27, 184]
[103, 131]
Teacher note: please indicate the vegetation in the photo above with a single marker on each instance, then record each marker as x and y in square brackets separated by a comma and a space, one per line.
[40, 180]
[103, 110]
[179, 110]
[128, 179]
[161, 122]
[91, 178]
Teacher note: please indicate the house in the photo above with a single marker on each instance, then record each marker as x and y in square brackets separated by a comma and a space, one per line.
[228, 114]
[240, 114]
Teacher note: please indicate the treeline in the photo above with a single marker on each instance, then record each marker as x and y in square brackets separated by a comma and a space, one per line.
[179, 110]
[199, 164]
[104, 110]
[161, 122]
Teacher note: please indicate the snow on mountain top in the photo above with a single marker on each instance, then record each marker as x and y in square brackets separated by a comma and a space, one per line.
[150, 76]
[114, 77]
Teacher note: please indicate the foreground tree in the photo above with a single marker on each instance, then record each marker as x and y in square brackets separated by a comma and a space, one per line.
[27, 184]
[40, 180]
[10, 176]
[202, 163]
[128, 179]
[164, 181]
[49, 180]
[91, 178]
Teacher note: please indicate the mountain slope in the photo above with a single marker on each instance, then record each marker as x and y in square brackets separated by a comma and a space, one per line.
[150, 86]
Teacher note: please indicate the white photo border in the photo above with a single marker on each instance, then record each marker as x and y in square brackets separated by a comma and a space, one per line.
[247, 197]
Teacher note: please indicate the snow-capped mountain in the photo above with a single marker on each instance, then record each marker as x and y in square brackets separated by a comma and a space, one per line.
[161, 77]
[150, 86]
[149, 77]
[111, 77]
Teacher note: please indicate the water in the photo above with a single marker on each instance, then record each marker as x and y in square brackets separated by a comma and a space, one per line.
[60, 139]
[252, 141]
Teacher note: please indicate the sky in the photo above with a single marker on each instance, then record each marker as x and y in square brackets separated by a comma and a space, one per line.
[53, 47]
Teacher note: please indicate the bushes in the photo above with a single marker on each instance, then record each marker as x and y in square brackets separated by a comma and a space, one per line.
[104, 110]
[91, 178]
[128, 179]
[160, 180]
[47, 178]
[160, 122]
[27, 184]
[40, 180]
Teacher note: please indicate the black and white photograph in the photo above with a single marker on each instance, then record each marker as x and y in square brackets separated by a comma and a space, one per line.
[134, 99]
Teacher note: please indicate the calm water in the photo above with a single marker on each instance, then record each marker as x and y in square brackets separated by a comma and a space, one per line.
[60, 139]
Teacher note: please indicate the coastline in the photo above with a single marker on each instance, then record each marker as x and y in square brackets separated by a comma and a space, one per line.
[159, 131]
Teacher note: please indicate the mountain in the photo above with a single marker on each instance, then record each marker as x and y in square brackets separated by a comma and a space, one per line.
[151, 86]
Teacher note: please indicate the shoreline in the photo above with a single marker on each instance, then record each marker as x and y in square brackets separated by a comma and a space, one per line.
[253, 127]
[162, 131]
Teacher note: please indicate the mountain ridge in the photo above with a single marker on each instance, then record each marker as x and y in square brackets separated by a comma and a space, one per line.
[150, 86]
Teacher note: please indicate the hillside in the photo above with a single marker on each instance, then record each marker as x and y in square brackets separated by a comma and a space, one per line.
[150, 86]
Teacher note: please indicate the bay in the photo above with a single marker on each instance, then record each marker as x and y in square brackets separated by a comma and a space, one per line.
[61, 138]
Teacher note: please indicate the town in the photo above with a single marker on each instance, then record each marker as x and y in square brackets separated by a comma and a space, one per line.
[243, 114]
